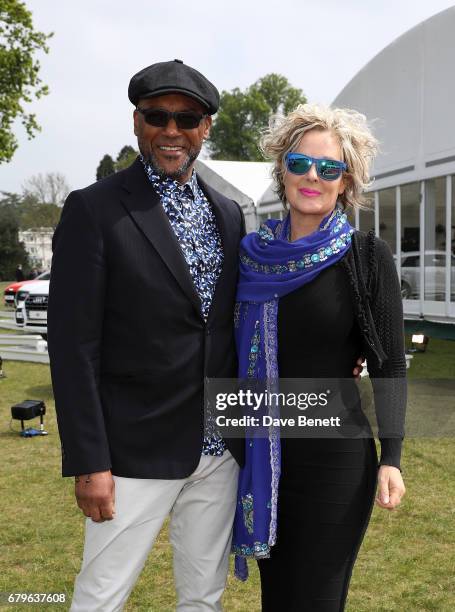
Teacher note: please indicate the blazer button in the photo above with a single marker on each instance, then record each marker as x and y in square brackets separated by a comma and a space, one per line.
[207, 332]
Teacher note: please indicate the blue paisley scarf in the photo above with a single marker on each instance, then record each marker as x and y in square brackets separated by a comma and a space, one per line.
[271, 267]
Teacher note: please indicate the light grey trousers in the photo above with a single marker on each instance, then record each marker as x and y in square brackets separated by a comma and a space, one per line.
[201, 509]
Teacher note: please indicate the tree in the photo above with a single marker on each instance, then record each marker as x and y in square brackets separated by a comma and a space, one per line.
[243, 115]
[29, 211]
[13, 201]
[35, 214]
[105, 167]
[19, 70]
[278, 93]
[12, 251]
[125, 158]
[50, 188]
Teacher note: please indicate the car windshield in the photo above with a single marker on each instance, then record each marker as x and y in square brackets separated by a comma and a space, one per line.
[411, 262]
[44, 276]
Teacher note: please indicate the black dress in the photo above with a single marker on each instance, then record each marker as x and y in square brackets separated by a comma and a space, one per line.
[327, 486]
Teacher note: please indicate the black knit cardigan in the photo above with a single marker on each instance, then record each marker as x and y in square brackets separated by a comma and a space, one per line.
[379, 310]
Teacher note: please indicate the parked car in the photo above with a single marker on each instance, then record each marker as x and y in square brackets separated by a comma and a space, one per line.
[435, 275]
[31, 307]
[12, 289]
[20, 304]
[20, 297]
[36, 310]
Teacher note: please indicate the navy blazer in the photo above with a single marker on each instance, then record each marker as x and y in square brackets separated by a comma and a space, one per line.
[128, 346]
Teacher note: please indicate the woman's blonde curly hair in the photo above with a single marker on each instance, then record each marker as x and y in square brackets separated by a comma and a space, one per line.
[358, 145]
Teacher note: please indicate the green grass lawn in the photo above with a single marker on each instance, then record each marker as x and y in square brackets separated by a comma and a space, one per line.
[406, 563]
[438, 361]
[10, 331]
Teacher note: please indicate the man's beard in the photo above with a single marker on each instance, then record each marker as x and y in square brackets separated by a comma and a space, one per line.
[181, 170]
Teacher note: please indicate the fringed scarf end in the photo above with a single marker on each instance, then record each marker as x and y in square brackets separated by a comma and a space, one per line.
[241, 568]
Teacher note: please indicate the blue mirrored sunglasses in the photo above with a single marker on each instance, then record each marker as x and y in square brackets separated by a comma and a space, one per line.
[327, 169]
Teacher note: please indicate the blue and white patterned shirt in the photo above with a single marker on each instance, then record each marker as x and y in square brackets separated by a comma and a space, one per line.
[193, 221]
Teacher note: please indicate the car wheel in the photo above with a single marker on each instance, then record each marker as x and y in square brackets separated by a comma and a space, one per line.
[406, 290]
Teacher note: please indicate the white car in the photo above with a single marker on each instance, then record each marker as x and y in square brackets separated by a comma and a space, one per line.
[435, 275]
[31, 307]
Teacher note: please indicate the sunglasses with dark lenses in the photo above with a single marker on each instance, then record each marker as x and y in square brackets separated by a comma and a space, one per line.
[185, 120]
[327, 169]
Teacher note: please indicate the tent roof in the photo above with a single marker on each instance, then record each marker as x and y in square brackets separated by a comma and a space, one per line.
[251, 178]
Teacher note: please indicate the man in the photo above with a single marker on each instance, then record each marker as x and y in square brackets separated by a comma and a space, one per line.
[19, 273]
[33, 273]
[140, 311]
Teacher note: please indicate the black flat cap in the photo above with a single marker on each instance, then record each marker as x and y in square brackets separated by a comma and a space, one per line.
[173, 77]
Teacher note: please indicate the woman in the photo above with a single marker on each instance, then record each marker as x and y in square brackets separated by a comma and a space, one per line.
[313, 295]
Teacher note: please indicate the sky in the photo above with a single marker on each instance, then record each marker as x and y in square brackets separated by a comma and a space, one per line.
[99, 44]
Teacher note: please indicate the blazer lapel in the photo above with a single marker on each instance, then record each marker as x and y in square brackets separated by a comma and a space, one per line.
[143, 204]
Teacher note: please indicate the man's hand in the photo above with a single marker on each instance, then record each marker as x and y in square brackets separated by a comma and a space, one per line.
[95, 495]
[358, 368]
[390, 487]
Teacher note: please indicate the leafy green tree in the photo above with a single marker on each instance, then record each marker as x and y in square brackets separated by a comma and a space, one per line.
[108, 166]
[13, 201]
[29, 212]
[243, 115]
[39, 215]
[19, 72]
[105, 167]
[235, 132]
[125, 158]
[12, 251]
